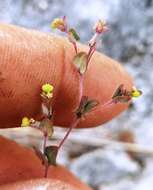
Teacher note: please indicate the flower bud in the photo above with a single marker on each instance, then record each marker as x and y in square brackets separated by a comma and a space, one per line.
[100, 27]
[58, 23]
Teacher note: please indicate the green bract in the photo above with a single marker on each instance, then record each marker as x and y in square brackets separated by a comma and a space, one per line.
[74, 34]
[80, 61]
[51, 154]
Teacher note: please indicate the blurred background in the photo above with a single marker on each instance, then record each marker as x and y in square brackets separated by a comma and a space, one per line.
[130, 41]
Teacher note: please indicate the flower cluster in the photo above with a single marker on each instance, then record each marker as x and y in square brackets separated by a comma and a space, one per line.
[61, 24]
[45, 125]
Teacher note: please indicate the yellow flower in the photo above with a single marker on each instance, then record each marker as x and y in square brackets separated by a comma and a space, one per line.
[135, 93]
[47, 90]
[58, 23]
[25, 122]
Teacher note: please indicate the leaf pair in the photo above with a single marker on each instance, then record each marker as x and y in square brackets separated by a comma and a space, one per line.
[86, 105]
[49, 155]
[121, 95]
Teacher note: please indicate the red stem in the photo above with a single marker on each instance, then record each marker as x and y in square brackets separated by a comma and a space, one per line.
[76, 120]
[102, 106]
[93, 49]
[81, 87]
[73, 125]
[75, 47]
[46, 170]
[45, 140]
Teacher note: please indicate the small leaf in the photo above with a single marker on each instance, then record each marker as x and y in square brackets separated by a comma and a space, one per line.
[80, 61]
[86, 105]
[80, 109]
[51, 154]
[40, 155]
[90, 104]
[118, 91]
[47, 125]
[74, 34]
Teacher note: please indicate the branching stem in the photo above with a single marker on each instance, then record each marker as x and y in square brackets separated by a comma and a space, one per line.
[73, 125]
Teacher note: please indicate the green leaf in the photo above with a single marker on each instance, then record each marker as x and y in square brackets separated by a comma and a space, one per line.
[118, 92]
[86, 105]
[80, 61]
[47, 125]
[74, 34]
[51, 154]
[80, 109]
[90, 104]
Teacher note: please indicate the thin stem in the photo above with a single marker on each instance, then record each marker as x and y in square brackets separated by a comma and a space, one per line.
[73, 125]
[46, 170]
[81, 87]
[75, 47]
[102, 106]
[76, 120]
[45, 141]
[44, 134]
[91, 53]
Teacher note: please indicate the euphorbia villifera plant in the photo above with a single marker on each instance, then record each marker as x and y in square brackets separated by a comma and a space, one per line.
[81, 63]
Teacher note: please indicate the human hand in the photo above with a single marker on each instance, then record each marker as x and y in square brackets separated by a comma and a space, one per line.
[29, 59]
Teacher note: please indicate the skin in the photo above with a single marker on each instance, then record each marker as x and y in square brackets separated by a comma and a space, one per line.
[43, 184]
[28, 59]
[20, 168]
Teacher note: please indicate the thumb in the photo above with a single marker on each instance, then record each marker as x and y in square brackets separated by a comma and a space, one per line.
[29, 59]
[19, 173]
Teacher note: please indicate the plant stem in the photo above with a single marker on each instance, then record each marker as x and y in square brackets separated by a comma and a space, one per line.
[102, 106]
[81, 87]
[45, 141]
[75, 47]
[46, 170]
[73, 125]
[76, 119]
[90, 52]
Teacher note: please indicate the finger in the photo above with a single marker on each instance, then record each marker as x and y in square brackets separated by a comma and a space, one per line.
[18, 163]
[29, 59]
[38, 184]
